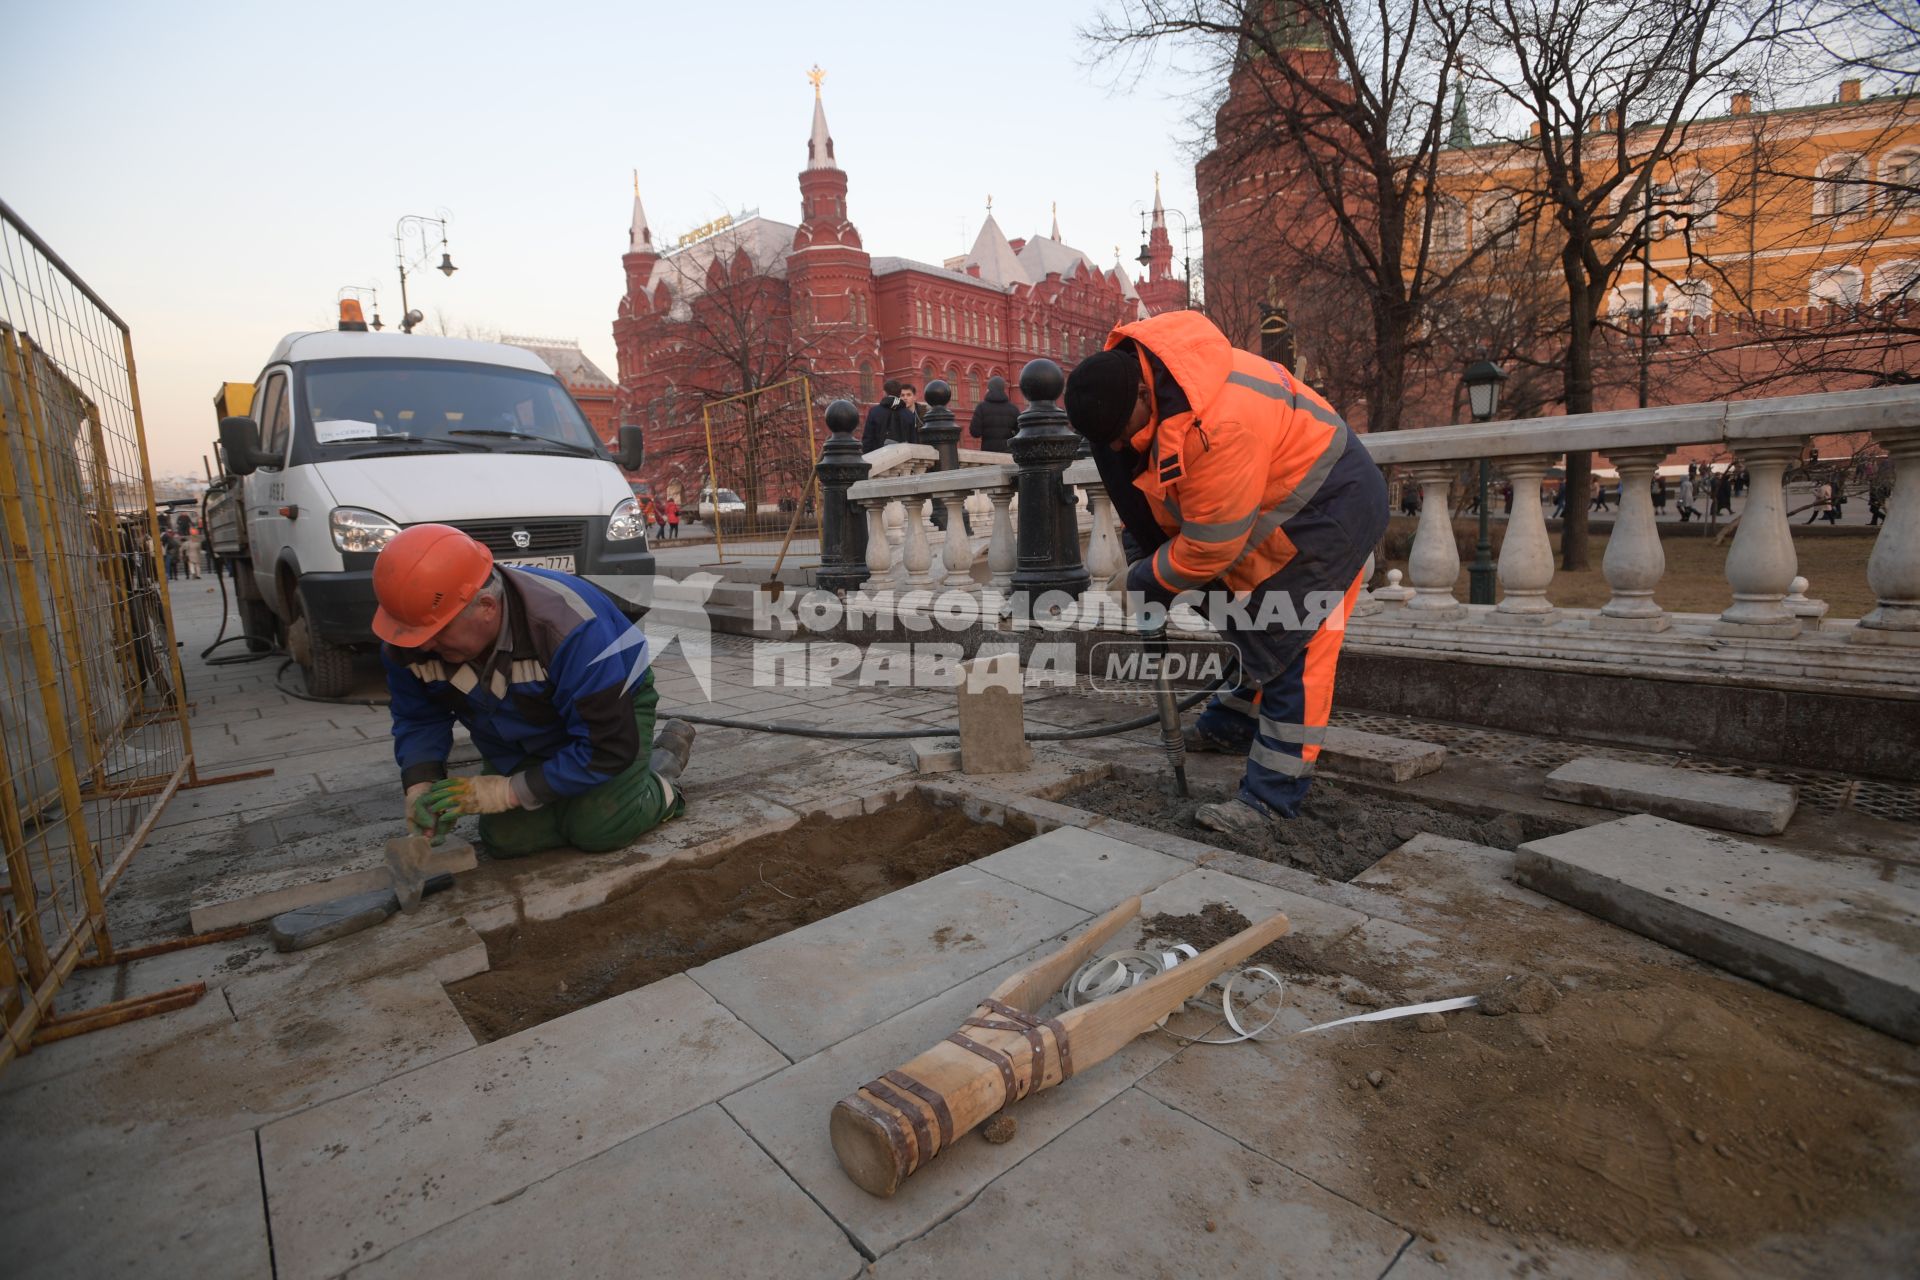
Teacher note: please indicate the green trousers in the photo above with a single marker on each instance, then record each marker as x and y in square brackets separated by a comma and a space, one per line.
[612, 815]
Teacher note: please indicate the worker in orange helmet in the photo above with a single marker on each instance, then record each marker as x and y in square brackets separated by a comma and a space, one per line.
[551, 680]
[1233, 477]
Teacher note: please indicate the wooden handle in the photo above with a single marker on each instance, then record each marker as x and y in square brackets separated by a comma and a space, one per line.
[1034, 985]
[892, 1125]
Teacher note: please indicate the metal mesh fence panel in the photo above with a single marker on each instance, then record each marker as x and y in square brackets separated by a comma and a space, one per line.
[93, 732]
[761, 447]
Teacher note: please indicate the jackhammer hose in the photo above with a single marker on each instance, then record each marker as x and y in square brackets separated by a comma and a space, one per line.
[936, 730]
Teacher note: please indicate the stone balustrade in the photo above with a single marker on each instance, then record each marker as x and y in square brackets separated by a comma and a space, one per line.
[1767, 436]
[1768, 604]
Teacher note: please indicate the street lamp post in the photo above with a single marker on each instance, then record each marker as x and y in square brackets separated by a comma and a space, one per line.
[419, 223]
[1648, 234]
[1483, 379]
[1186, 250]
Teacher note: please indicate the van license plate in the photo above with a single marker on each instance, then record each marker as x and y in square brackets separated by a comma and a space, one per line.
[562, 563]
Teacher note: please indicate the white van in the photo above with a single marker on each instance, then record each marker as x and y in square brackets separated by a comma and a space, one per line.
[354, 436]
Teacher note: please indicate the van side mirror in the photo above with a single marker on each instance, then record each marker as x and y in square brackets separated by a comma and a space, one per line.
[633, 446]
[240, 442]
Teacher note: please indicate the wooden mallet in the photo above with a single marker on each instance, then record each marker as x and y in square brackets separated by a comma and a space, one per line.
[892, 1125]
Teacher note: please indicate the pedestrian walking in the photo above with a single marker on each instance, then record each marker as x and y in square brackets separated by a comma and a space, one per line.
[1822, 498]
[1876, 504]
[995, 420]
[673, 518]
[1660, 495]
[1686, 497]
[1599, 502]
[1560, 501]
[1506, 498]
[1723, 493]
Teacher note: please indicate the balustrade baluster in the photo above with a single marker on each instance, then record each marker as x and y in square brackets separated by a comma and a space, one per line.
[1762, 565]
[1893, 570]
[1526, 552]
[1434, 564]
[1002, 555]
[917, 553]
[1635, 559]
[958, 553]
[879, 549]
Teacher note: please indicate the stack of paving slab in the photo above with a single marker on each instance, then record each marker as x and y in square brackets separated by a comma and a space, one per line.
[1816, 928]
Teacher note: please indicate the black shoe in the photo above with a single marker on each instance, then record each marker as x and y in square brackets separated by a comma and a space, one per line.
[672, 744]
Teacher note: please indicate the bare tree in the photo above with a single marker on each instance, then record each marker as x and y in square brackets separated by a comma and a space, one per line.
[732, 331]
[1610, 89]
[1352, 100]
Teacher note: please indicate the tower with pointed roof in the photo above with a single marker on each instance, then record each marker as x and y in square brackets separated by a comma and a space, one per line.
[640, 256]
[829, 274]
[1161, 290]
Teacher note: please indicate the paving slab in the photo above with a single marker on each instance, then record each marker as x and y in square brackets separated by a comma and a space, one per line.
[1685, 795]
[1802, 925]
[786, 1113]
[815, 986]
[338, 869]
[1357, 754]
[1140, 1189]
[692, 1197]
[935, 755]
[1088, 870]
[447, 950]
[364, 1173]
[216, 1079]
[193, 1213]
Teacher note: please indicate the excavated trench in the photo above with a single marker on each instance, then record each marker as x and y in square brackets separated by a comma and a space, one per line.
[1343, 829]
[684, 916]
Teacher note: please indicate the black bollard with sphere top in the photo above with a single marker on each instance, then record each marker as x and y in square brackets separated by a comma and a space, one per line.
[1048, 538]
[843, 526]
[940, 429]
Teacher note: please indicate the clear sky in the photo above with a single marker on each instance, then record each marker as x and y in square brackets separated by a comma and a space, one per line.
[217, 171]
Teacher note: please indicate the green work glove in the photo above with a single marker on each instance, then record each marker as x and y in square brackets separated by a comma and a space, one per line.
[487, 793]
[421, 820]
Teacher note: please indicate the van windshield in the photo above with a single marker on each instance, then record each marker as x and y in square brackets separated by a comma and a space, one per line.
[354, 405]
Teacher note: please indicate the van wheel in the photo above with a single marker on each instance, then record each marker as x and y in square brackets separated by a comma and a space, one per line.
[258, 625]
[328, 668]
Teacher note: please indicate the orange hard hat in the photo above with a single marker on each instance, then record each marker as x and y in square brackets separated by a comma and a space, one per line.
[422, 579]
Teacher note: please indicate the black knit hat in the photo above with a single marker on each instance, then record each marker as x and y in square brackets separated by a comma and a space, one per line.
[1101, 393]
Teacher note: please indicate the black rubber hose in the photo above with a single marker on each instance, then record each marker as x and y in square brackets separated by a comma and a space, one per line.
[808, 731]
[934, 731]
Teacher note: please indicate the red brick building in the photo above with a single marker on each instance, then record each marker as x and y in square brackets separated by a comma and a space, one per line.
[750, 301]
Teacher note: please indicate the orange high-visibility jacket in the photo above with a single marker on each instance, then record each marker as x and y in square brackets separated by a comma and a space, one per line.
[1225, 477]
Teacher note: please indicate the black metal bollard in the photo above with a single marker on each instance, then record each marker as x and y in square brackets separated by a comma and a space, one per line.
[1048, 537]
[940, 429]
[843, 525]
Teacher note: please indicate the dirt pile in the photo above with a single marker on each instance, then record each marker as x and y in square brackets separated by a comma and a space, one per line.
[1609, 1094]
[684, 916]
[1341, 831]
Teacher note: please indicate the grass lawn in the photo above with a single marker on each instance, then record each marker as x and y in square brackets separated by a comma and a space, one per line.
[1696, 576]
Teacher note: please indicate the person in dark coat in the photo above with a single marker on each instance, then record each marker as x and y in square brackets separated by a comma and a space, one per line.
[892, 420]
[995, 419]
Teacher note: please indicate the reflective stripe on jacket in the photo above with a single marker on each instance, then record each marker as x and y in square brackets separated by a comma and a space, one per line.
[1225, 476]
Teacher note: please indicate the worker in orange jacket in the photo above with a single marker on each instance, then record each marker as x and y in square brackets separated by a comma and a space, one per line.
[1231, 476]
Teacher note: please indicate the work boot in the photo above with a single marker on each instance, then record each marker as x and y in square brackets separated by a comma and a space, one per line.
[1237, 818]
[672, 744]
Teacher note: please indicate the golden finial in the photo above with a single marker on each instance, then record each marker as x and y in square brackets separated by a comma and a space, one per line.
[816, 76]
[989, 202]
